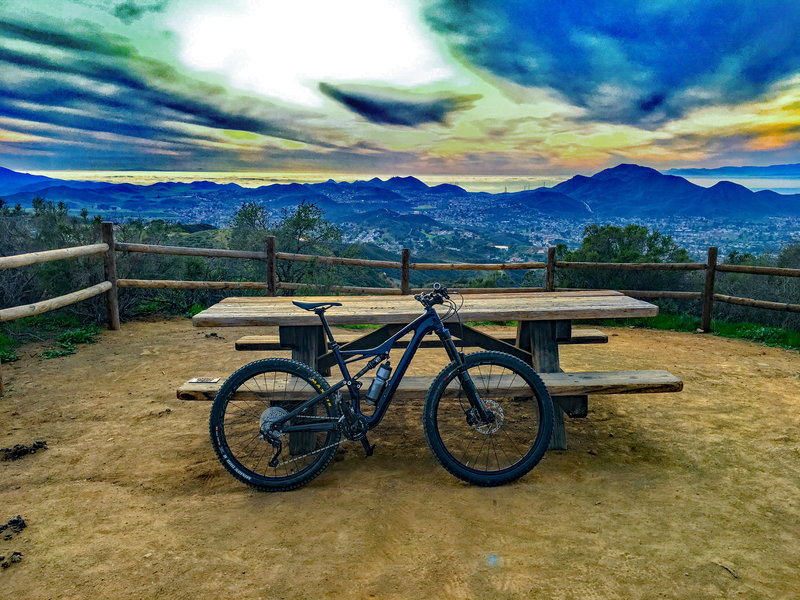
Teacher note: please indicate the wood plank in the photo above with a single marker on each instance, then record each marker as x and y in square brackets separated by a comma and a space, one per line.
[382, 310]
[37, 308]
[364, 342]
[543, 337]
[566, 293]
[31, 258]
[272, 341]
[558, 384]
[307, 343]
[475, 338]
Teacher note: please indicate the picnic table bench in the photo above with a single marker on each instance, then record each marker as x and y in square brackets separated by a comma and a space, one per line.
[273, 341]
[544, 321]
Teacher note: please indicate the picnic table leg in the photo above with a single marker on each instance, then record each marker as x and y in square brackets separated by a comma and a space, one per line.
[541, 337]
[306, 343]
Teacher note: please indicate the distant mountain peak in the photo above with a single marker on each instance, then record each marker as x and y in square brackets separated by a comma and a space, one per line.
[408, 182]
[627, 171]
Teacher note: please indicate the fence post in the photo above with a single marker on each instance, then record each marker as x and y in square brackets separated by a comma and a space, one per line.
[708, 291]
[550, 270]
[405, 260]
[272, 269]
[110, 270]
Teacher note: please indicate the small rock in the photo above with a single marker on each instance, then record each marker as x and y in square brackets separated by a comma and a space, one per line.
[20, 450]
[16, 557]
[593, 452]
[148, 555]
[5, 564]
[17, 523]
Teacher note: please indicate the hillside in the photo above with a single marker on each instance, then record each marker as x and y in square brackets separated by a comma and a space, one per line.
[657, 494]
[524, 221]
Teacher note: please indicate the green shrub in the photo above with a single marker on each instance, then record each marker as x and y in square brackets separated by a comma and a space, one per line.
[56, 353]
[82, 335]
[70, 339]
[193, 310]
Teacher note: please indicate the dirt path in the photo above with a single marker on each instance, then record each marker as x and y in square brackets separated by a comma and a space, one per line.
[658, 496]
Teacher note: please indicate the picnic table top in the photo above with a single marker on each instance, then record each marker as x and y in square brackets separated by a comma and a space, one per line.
[382, 310]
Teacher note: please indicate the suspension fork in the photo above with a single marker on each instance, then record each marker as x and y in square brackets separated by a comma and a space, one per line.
[464, 377]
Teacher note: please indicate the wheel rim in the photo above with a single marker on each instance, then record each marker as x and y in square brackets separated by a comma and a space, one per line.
[494, 447]
[240, 439]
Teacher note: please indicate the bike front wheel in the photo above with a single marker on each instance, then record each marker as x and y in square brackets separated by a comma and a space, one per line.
[253, 397]
[498, 452]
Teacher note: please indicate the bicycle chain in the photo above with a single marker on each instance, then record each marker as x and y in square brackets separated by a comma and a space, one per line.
[286, 462]
[291, 460]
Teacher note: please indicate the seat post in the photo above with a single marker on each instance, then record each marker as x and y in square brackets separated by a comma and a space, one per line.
[321, 314]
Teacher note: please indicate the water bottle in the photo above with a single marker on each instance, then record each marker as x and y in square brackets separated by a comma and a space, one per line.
[376, 389]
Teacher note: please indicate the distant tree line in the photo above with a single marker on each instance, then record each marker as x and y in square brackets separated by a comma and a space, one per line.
[303, 230]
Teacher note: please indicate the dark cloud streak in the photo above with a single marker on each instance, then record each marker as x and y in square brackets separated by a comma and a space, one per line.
[148, 100]
[630, 61]
[391, 107]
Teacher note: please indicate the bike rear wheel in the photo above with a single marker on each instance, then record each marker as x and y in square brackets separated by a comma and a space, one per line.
[252, 398]
[497, 453]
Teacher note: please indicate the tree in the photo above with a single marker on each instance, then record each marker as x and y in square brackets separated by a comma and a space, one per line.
[631, 244]
[305, 230]
[249, 227]
[300, 230]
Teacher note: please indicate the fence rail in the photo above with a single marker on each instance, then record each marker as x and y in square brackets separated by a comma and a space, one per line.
[32, 258]
[109, 247]
[37, 308]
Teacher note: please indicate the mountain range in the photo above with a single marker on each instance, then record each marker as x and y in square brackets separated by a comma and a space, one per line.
[792, 171]
[624, 191]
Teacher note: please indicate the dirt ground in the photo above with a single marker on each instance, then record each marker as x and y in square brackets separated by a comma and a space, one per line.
[690, 495]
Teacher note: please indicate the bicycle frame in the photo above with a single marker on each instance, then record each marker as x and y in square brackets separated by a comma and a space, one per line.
[428, 322]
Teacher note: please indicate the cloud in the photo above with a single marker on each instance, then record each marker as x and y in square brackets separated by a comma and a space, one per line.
[392, 107]
[629, 61]
[129, 11]
[88, 82]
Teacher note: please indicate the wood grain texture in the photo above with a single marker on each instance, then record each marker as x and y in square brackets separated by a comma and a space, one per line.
[110, 271]
[783, 272]
[337, 260]
[31, 258]
[708, 290]
[272, 342]
[477, 266]
[632, 266]
[385, 310]
[182, 251]
[558, 384]
[783, 306]
[167, 284]
[37, 308]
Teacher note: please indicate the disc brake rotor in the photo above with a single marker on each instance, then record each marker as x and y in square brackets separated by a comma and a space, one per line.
[486, 428]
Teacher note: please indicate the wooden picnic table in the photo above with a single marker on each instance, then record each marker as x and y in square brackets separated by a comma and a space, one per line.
[544, 319]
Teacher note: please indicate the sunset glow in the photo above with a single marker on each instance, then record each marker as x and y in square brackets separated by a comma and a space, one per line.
[422, 86]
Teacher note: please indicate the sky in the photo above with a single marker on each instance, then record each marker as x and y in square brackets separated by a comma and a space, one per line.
[398, 86]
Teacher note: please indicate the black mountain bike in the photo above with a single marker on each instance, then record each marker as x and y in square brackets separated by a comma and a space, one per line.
[276, 423]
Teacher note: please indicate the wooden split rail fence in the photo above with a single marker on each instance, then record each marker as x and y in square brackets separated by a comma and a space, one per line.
[271, 285]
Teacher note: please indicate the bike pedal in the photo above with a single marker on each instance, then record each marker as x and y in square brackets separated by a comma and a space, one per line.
[368, 448]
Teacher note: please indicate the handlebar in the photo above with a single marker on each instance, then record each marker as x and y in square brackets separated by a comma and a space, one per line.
[435, 296]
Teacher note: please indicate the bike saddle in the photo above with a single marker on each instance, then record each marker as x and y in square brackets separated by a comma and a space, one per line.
[315, 305]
